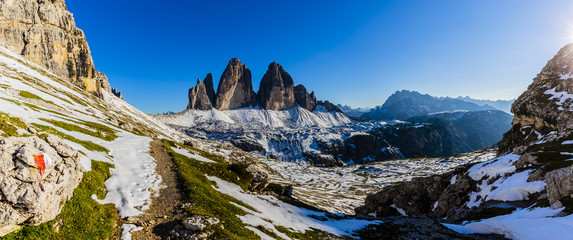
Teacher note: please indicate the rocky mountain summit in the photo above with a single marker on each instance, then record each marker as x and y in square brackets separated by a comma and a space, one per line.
[531, 178]
[45, 33]
[406, 104]
[276, 91]
[235, 88]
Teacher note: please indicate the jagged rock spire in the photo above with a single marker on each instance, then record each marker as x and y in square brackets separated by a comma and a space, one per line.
[235, 88]
[276, 91]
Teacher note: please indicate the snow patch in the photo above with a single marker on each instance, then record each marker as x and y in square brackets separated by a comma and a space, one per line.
[126, 230]
[495, 167]
[401, 211]
[188, 154]
[134, 174]
[526, 224]
[275, 212]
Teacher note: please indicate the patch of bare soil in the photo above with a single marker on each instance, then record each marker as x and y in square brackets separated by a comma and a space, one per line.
[165, 211]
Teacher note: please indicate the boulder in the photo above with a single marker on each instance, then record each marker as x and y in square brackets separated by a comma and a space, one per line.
[526, 160]
[23, 198]
[559, 184]
[198, 223]
[261, 177]
[415, 197]
[305, 100]
[276, 91]
[198, 98]
[235, 88]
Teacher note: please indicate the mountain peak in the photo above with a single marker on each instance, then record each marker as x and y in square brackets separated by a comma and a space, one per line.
[235, 88]
[405, 104]
[276, 91]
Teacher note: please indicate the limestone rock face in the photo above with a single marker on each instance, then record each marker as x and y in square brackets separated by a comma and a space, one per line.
[209, 88]
[276, 91]
[25, 200]
[544, 107]
[45, 33]
[305, 100]
[235, 87]
[198, 97]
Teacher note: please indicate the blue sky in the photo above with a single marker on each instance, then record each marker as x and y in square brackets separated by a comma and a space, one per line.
[349, 52]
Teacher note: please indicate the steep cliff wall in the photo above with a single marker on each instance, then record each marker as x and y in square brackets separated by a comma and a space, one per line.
[44, 32]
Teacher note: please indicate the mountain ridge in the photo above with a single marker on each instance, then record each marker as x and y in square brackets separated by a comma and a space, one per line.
[405, 104]
[277, 91]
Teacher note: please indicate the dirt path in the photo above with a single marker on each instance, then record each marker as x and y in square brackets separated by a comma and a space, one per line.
[165, 211]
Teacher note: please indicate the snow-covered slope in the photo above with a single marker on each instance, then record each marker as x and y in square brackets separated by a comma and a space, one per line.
[258, 118]
[44, 100]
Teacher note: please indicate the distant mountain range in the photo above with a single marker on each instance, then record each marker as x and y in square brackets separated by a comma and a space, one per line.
[405, 104]
[353, 112]
[503, 105]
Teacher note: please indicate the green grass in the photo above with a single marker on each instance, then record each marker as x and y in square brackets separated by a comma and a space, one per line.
[75, 99]
[5, 86]
[26, 94]
[10, 125]
[313, 234]
[86, 144]
[38, 109]
[82, 217]
[100, 131]
[214, 157]
[12, 101]
[207, 200]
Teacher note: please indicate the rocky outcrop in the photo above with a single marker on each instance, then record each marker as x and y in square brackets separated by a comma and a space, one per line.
[198, 97]
[328, 106]
[117, 93]
[235, 87]
[247, 144]
[209, 88]
[303, 99]
[276, 91]
[544, 107]
[45, 33]
[23, 198]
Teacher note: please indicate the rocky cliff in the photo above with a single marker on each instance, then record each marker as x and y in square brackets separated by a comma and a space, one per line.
[209, 87]
[235, 87]
[533, 169]
[545, 106]
[45, 33]
[276, 91]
